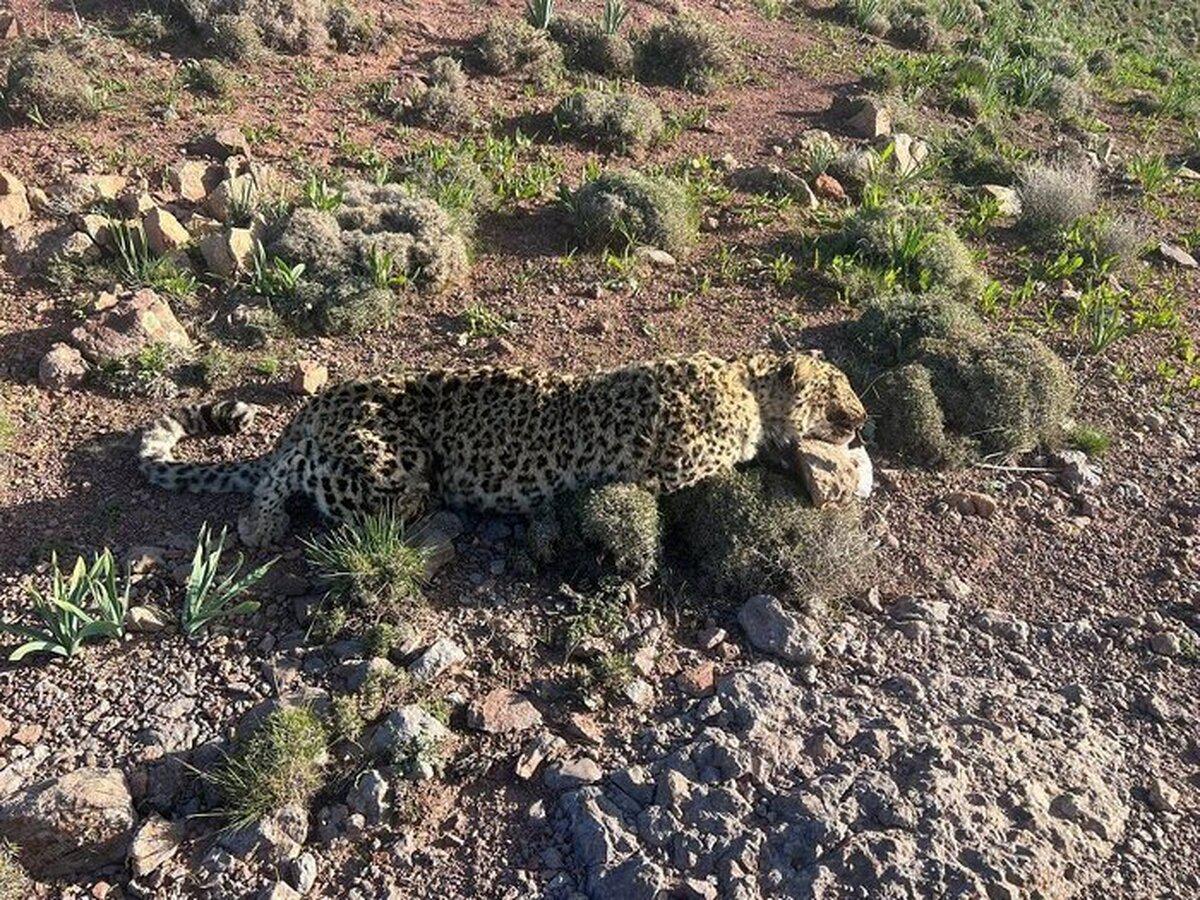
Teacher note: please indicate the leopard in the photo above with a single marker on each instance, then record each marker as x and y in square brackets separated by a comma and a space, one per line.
[508, 440]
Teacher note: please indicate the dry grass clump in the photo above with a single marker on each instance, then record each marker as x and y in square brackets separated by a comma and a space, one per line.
[277, 766]
[586, 45]
[1055, 195]
[750, 532]
[380, 239]
[684, 51]
[917, 30]
[913, 242]
[943, 390]
[621, 121]
[293, 26]
[352, 32]
[622, 520]
[14, 882]
[443, 102]
[513, 45]
[371, 564]
[235, 38]
[619, 210]
[48, 85]
[208, 76]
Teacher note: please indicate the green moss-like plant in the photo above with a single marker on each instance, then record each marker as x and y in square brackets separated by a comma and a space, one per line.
[507, 46]
[623, 521]
[752, 531]
[379, 240]
[619, 210]
[586, 45]
[916, 244]
[48, 85]
[621, 121]
[686, 52]
[942, 389]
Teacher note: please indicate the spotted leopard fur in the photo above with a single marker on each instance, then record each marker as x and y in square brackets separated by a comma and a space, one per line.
[506, 439]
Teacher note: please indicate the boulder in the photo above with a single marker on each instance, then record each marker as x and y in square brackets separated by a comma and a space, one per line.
[230, 196]
[783, 633]
[164, 234]
[62, 368]
[222, 143]
[14, 200]
[226, 253]
[70, 825]
[442, 655]
[136, 322]
[834, 474]
[156, 841]
[308, 377]
[193, 179]
[829, 188]
[410, 726]
[866, 117]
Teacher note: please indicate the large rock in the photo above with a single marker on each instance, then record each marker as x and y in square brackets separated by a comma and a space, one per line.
[404, 731]
[777, 631]
[164, 234]
[228, 252]
[70, 825]
[833, 474]
[136, 322]
[62, 368]
[156, 841]
[441, 656]
[14, 201]
[193, 179]
[866, 117]
[231, 196]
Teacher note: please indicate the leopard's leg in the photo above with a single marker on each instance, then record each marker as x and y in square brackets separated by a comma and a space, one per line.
[265, 521]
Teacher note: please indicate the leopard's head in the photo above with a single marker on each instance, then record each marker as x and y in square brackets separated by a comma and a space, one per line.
[802, 397]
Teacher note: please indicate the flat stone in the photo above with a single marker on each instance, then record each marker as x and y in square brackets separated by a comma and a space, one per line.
[772, 629]
[568, 774]
[308, 377]
[156, 841]
[1177, 255]
[1008, 201]
[535, 752]
[697, 680]
[502, 711]
[865, 117]
[440, 657]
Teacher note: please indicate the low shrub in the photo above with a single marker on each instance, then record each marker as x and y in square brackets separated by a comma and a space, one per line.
[942, 389]
[619, 210]
[379, 240]
[513, 45]
[686, 52]
[443, 102]
[621, 121]
[1055, 195]
[47, 85]
[586, 45]
[293, 26]
[278, 765]
[15, 884]
[235, 38]
[352, 32]
[915, 244]
[917, 30]
[622, 521]
[750, 532]
[208, 76]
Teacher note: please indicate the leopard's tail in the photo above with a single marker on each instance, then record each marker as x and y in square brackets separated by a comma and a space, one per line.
[225, 417]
